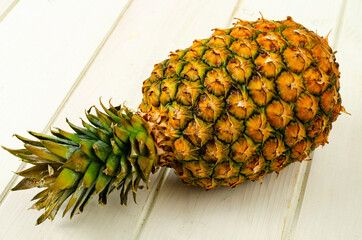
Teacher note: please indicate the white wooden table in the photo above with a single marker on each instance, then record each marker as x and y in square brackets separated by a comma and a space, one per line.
[57, 57]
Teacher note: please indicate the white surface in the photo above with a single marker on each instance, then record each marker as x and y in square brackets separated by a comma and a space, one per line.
[57, 50]
[44, 46]
[334, 189]
[6, 6]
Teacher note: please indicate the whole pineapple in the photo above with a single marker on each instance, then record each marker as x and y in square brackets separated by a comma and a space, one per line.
[245, 102]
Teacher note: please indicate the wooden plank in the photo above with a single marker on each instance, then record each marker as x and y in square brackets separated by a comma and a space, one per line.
[144, 36]
[250, 211]
[44, 47]
[6, 6]
[331, 206]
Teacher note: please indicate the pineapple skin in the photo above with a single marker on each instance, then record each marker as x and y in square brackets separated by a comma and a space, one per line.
[248, 101]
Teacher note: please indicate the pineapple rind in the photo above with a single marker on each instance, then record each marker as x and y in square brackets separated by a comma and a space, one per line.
[274, 83]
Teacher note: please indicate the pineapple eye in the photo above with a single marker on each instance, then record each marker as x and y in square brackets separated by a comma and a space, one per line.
[209, 108]
[269, 64]
[315, 80]
[294, 133]
[324, 58]
[270, 41]
[216, 57]
[329, 99]
[297, 59]
[306, 107]
[217, 82]
[296, 36]
[273, 148]
[261, 90]
[279, 114]
[317, 126]
[240, 69]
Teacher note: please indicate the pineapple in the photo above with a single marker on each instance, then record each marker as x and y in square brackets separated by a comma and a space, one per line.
[248, 101]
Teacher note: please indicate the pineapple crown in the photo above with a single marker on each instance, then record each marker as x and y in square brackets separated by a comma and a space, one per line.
[114, 151]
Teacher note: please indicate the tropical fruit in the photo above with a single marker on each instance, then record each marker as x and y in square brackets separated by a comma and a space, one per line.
[248, 101]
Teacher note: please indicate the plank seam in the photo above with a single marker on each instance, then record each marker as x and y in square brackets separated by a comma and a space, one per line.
[151, 200]
[8, 10]
[236, 9]
[70, 92]
[296, 201]
[304, 171]
[150, 203]
[340, 23]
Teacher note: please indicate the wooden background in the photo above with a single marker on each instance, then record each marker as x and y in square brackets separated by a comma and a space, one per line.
[58, 56]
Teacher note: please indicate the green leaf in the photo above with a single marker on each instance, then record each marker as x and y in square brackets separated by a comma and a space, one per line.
[102, 181]
[92, 118]
[78, 193]
[101, 150]
[82, 131]
[60, 202]
[46, 154]
[145, 165]
[121, 133]
[41, 194]
[126, 187]
[104, 120]
[141, 139]
[16, 152]
[134, 147]
[113, 116]
[119, 143]
[41, 136]
[37, 172]
[112, 164]
[66, 179]
[40, 204]
[124, 170]
[90, 128]
[115, 148]
[87, 147]
[71, 136]
[88, 197]
[104, 135]
[50, 208]
[91, 174]
[64, 151]
[27, 156]
[138, 123]
[26, 183]
[28, 141]
[79, 161]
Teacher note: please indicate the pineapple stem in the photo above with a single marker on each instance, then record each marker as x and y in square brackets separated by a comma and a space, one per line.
[113, 151]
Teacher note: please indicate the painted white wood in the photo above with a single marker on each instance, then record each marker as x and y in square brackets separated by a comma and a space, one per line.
[144, 36]
[44, 45]
[250, 211]
[332, 202]
[6, 6]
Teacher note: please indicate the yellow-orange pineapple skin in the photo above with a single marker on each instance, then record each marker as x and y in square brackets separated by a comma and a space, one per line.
[245, 102]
